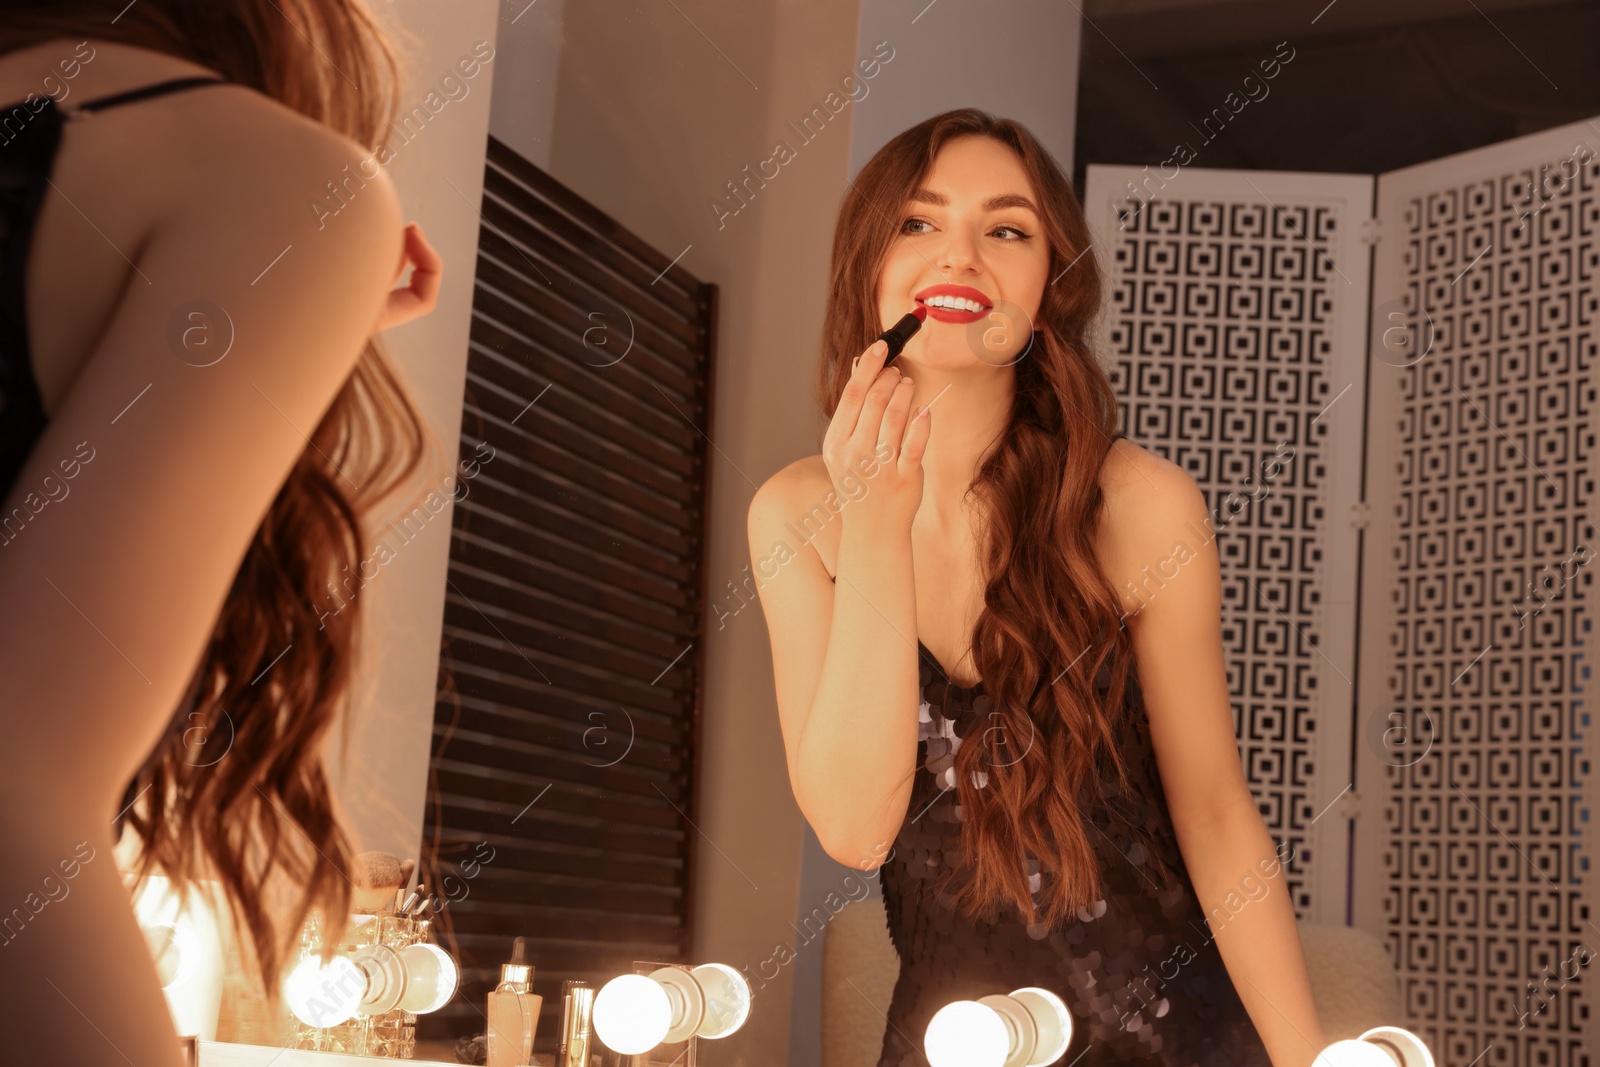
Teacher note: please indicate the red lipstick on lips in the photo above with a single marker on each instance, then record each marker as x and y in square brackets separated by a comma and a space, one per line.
[953, 315]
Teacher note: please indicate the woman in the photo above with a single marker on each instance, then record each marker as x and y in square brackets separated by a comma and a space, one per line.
[1097, 814]
[194, 421]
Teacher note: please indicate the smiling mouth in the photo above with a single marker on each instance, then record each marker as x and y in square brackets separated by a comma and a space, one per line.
[956, 309]
[945, 302]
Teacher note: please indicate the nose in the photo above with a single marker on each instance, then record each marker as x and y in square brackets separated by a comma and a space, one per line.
[960, 252]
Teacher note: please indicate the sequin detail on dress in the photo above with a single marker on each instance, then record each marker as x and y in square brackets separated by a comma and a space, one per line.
[1139, 970]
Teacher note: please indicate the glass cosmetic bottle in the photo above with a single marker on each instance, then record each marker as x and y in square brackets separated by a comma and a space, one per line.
[513, 1012]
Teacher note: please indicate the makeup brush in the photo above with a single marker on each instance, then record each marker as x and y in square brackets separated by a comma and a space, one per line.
[377, 876]
[411, 899]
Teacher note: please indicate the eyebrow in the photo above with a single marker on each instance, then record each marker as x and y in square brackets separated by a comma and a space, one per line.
[994, 203]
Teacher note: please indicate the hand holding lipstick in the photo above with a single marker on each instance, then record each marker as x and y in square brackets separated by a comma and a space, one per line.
[875, 437]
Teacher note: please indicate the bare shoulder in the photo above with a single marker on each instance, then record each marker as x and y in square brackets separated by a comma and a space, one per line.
[223, 177]
[186, 138]
[795, 498]
[1153, 513]
[253, 223]
[1133, 477]
[261, 148]
[803, 478]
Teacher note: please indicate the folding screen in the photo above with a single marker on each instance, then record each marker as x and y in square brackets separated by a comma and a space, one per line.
[1424, 747]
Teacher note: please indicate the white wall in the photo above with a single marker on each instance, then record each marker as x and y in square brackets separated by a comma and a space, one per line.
[659, 107]
[1016, 59]
[439, 173]
[523, 114]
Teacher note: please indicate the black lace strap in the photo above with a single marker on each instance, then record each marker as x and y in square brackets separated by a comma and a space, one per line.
[147, 91]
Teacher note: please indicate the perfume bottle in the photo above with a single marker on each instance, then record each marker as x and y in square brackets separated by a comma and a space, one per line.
[513, 1011]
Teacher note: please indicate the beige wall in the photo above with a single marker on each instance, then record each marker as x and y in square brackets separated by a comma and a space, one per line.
[523, 114]
[439, 174]
[654, 115]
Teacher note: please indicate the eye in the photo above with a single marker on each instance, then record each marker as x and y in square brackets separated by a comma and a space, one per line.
[1017, 235]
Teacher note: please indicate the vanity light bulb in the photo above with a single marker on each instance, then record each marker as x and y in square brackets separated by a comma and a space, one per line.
[325, 996]
[1029, 1027]
[727, 999]
[1353, 1053]
[632, 1014]
[965, 1033]
[1044, 1029]
[1405, 1047]
[175, 948]
[431, 978]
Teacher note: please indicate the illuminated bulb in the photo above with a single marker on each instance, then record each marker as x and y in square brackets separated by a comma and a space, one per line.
[175, 950]
[325, 996]
[965, 1033]
[1353, 1053]
[187, 945]
[1406, 1048]
[373, 980]
[727, 999]
[633, 1013]
[1029, 1028]
[431, 978]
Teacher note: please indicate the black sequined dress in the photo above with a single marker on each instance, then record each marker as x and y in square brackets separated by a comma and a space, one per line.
[1139, 970]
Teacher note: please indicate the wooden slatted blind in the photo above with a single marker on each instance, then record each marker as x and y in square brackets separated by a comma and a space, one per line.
[562, 780]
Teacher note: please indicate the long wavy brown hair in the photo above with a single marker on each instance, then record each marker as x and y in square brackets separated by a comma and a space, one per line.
[259, 817]
[1040, 641]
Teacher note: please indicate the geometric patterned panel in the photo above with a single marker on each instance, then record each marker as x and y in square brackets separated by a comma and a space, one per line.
[1475, 851]
[1234, 331]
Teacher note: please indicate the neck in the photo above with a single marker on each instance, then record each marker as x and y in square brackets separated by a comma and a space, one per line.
[970, 409]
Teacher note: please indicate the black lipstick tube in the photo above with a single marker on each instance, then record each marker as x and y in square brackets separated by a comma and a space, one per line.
[897, 335]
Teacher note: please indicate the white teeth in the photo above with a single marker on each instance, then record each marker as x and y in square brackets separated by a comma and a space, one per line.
[954, 303]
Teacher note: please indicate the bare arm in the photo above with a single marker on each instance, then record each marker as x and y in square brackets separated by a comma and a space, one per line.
[844, 656]
[1162, 522]
[111, 592]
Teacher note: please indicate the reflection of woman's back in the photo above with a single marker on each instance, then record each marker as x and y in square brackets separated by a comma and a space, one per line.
[1139, 970]
[185, 358]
